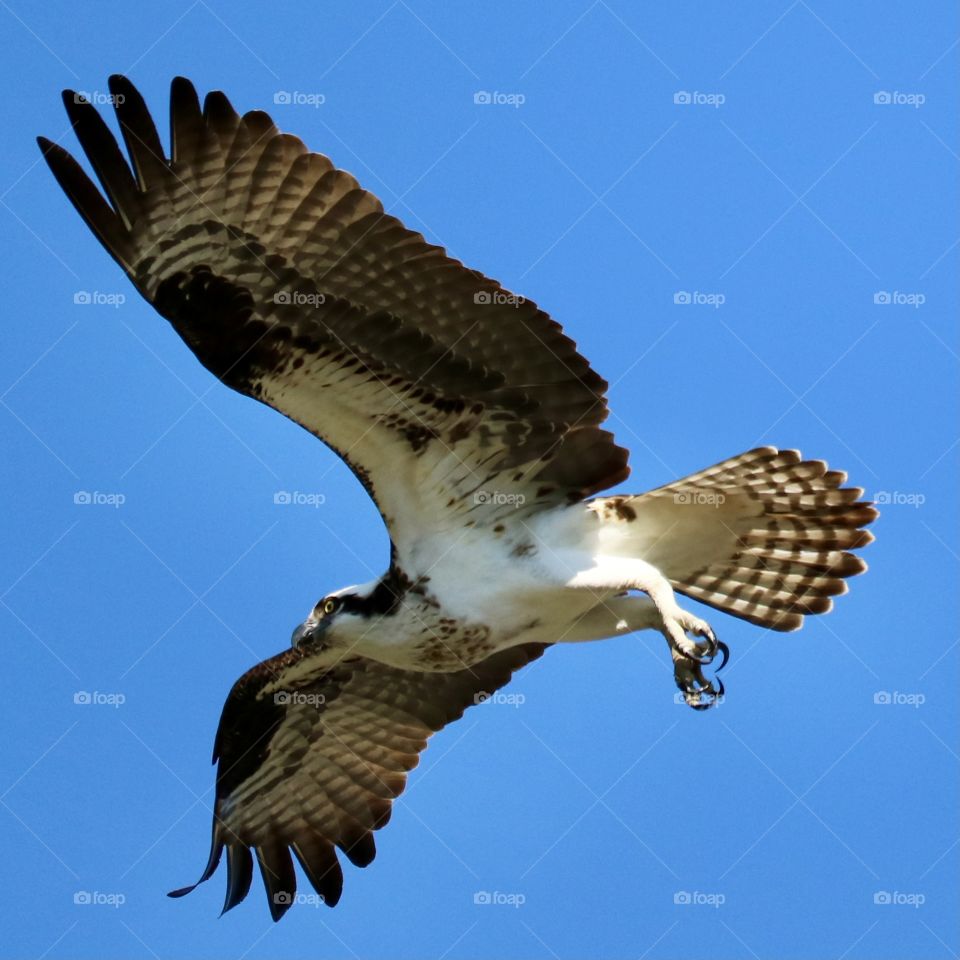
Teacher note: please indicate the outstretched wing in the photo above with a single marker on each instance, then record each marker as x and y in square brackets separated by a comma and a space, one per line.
[290, 283]
[309, 762]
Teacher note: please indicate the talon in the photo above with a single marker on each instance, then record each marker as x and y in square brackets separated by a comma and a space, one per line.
[725, 650]
[713, 647]
[691, 655]
[698, 692]
[704, 698]
[706, 658]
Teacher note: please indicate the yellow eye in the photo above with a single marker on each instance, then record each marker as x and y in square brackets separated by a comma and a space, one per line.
[329, 606]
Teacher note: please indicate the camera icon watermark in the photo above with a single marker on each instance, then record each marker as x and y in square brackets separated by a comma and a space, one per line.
[485, 98]
[86, 698]
[498, 297]
[497, 498]
[896, 98]
[895, 698]
[696, 98]
[299, 298]
[97, 498]
[495, 898]
[895, 898]
[296, 498]
[684, 298]
[686, 898]
[899, 498]
[716, 699]
[286, 698]
[297, 98]
[287, 898]
[95, 898]
[699, 498]
[899, 298]
[98, 298]
[504, 699]
[98, 98]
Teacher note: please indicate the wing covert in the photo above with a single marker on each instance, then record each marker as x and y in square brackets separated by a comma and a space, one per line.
[291, 284]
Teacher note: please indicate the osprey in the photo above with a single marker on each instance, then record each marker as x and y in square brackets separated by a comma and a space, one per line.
[475, 426]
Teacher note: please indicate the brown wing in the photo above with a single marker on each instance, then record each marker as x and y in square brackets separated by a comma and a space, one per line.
[291, 284]
[312, 762]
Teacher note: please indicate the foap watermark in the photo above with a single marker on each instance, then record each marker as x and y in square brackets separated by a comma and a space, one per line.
[299, 298]
[97, 898]
[498, 297]
[297, 498]
[283, 898]
[896, 698]
[899, 298]
[698, 898]
[496, 898]
[292, 698]
[84, 698]
[98, 98]
[98, 498]
[698, 298]
[897, 98]
[699, 498]
[896, 898]
[498, 499]
[716, 699]
[504, 699]
[98, 298]
[297, 98]
[899, 498]
[697, 98]
[498, 99]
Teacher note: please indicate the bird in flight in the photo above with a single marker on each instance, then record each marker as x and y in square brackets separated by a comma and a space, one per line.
[476, 427]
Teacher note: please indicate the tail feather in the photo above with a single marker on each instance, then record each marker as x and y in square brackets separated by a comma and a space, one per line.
[764, 536]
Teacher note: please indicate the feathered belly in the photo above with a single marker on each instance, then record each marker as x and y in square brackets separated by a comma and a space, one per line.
[423, 635]
[489, 589]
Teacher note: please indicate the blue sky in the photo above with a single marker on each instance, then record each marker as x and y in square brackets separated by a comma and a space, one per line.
[786, 202]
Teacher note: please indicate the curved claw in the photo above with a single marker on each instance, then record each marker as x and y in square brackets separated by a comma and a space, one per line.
[698, 692]
[725, 650]
[703, 699]
[710, 654]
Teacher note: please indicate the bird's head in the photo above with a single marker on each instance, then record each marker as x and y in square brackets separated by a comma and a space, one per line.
[341, 617]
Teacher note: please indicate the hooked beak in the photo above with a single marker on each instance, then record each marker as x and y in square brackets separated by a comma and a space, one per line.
[309, 633]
